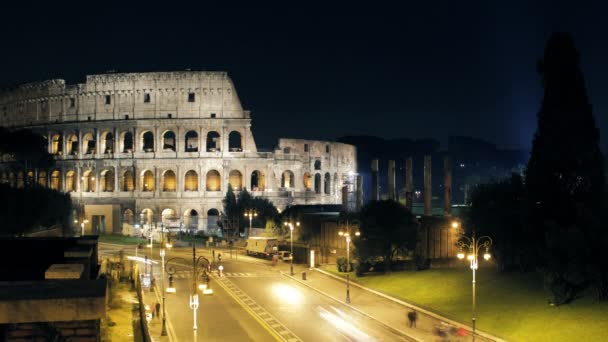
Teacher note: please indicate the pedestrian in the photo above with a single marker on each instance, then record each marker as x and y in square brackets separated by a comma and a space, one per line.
[157, 309]
[153, 313]
[213, 252]
[412, 316]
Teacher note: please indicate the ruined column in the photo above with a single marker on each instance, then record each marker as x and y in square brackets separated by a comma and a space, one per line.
[447, 186]
[428, 210]
[409, 180]
[375, 189]
[359, 192]
[391, 180]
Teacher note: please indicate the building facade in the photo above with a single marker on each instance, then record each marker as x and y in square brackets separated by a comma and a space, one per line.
[145, 147]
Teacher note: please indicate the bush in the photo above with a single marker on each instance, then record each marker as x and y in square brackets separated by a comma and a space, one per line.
[343, 265]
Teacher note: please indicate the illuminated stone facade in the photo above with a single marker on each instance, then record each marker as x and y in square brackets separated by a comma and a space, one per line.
[141, 146]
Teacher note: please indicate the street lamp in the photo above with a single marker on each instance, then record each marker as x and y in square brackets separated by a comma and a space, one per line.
[82, 222]
[291, 238]
[347, 236]
[162, 255]
[473, 246]
[251, 213]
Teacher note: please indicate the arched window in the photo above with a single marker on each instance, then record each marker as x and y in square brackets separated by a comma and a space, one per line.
[70, 181]
[169, 141]
[20, 180]
[213, 141]
[128, 183]
[147, 216]
[191, 181]
[57, 144]
[318, 183]
[191, 219]
[88, 181]
[327, 185]
[29, 180]
[214, 181]
[107, 140]
[147, 181]
[127, 142]
[307, 179]
[56, 180]
[42, 178]
[89, 143]
[169, 181]
[72, 144]
[147, 141]
[317, 165]
[12, 180]
[106, 181]
[258, 181]
[235, 142]
[191, 139]
[213, 216]
[287, 180]
[235, 178]
[4, 178]
[128, 217]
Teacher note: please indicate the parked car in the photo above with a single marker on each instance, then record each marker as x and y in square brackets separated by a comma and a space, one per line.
[284, 255]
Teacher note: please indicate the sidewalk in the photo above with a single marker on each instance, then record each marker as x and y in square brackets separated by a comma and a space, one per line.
[155, 324]
[387, 311]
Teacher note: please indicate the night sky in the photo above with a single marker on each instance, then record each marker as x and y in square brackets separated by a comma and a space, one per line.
[426, 69]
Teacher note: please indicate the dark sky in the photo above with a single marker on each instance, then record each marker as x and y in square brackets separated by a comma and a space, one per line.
[424, 69]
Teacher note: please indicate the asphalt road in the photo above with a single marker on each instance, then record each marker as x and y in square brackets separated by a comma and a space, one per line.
[293, 311]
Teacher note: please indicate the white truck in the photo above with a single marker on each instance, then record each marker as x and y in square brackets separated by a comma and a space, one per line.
[262, 246]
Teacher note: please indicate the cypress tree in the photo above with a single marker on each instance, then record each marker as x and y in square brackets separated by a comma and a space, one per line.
[564, 176]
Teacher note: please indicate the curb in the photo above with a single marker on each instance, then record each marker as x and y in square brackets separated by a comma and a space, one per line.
[351, 307]
[411, 306]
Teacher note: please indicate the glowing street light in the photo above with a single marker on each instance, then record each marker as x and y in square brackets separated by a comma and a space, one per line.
[473, 246]
[251, 213]
[347, 236]
[82, 222]
[291, 238]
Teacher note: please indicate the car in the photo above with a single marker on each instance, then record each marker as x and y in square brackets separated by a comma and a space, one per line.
[284, 255]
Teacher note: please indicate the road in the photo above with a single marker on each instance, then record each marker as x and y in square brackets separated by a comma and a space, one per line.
[253, 298]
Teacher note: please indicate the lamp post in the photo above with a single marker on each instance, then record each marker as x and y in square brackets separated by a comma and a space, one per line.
[291, 238]
[347, 236]
[251, 213]
[162, 255]
[473, 245]
[82, 222]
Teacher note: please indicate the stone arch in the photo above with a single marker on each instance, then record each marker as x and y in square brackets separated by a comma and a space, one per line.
[127, 142]
[147, 181]
[147, 216]
[107, 142]
[167, 214]
[191, 219]
[42, 178]
[57, 144]
[287, 179]
[213, 216]
[20, 180]
[89, 145]
[169, 181]
[235, 141]
[56, 180]
[327, 184]
[191, 141]
[128, 217]
[191, 181]
[106, 181]
[12, 179]
[128, 181]
[214, 181]
[317, 183]
[72, 144]
[169, 141]
[147, 141]
[70, 181]
[88, 181]
[213, 141]
[29, 178]
[235, 179]
[4, 179]
[307, 180]
[258, 181]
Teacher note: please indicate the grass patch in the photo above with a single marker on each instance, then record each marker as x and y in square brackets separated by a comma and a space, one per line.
[510, 305]
[121, 239]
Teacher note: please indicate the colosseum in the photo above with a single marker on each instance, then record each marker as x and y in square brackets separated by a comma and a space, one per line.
[136, 148]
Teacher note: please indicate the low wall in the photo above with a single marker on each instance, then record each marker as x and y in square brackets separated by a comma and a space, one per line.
[74, 331]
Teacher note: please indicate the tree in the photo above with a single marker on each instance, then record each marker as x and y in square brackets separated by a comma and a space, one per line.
[387, 229]
[29, 149]
[499, 210]
[235, 207]
[564, 176]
